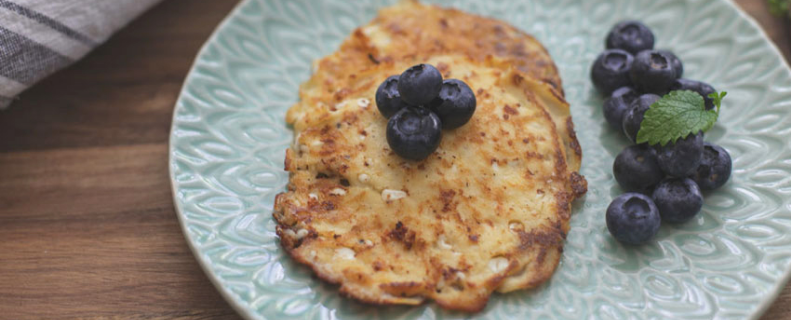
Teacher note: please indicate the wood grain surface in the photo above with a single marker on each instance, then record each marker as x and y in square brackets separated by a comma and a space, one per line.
[87, 224]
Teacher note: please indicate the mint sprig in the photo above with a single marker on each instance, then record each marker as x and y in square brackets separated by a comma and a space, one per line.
[717, 99]
[676, 115]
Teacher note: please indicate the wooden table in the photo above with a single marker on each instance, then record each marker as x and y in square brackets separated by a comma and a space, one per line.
[87, 224]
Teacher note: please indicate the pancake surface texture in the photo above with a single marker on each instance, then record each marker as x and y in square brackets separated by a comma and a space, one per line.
[488, 211]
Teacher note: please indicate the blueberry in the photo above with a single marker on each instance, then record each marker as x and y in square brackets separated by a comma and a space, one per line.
[685, 84]
[634, 116]
[681, 158]
[414, 133]
[610, 71]
[388, 100]
[633, 218]
[632, 36]
[420, 84]
[705, 91]
[702, 88]
[455, 104]
[617, 104]
[653, 71]
[714, 169]
[636, 168]
[677, 65]
[678, 199]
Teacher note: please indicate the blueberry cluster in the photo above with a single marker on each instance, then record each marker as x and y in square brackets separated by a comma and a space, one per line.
[663, 183]
[419, 104]
[630, 68]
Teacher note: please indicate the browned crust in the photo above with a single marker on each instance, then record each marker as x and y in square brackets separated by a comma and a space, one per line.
[288, 245]
[471, 306]
[578, 184]
[573, 144]
[539, 250]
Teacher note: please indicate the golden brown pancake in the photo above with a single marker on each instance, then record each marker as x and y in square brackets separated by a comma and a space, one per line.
[488, 211]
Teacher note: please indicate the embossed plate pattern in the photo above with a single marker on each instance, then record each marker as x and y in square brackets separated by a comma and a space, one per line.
[228, 140]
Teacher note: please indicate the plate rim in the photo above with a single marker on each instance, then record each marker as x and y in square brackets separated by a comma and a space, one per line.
[772, 296]
[228, 296]
[243, 310]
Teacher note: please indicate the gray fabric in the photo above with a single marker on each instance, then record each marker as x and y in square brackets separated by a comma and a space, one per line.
[25, 61]
[54, 24]
[39, 37]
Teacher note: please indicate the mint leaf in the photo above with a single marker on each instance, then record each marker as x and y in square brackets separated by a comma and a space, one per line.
[675, 116]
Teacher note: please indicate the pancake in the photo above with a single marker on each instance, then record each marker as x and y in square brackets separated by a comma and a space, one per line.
[488, 211]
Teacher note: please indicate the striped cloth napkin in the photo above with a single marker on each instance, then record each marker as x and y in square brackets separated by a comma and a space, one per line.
[39, 37]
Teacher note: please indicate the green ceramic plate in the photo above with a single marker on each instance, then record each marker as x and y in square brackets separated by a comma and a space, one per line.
[228, 140]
